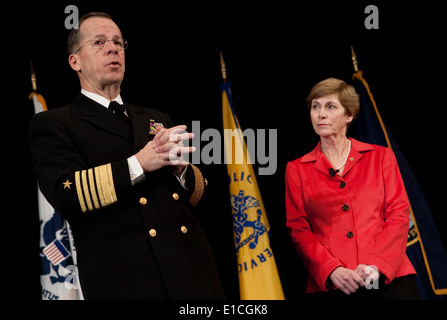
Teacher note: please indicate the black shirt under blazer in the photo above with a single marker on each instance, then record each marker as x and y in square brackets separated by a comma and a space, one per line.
[133, 242]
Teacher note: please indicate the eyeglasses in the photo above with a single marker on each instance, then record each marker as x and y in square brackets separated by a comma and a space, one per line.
[100, 44]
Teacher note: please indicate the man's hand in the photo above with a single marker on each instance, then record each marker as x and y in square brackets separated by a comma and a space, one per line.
[166, 149]
[346, 280]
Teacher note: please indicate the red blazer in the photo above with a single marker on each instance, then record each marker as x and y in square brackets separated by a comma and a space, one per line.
[361, 217]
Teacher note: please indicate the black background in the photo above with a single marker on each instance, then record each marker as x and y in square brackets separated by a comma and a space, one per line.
[274, 53]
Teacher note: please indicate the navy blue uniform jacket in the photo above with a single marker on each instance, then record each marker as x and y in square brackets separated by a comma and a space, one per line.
[133, 242]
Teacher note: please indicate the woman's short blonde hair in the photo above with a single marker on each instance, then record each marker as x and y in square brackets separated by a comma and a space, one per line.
[346, 94]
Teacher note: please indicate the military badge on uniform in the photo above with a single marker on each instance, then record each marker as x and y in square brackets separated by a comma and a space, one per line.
[67, 184]
[154, 125]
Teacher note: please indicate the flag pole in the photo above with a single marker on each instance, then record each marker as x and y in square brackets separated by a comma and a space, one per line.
[223, 68]
[359, 76]
[354, 60]
[33, 77]
[39, 102]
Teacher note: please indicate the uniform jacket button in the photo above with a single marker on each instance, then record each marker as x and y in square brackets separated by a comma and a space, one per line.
[342, 184]
[345, 207]
[184, 229]
[143, 201]
[349, 235]
[152, 233]
[175, 196]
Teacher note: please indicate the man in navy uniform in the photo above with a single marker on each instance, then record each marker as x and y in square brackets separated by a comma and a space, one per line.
[106, 166]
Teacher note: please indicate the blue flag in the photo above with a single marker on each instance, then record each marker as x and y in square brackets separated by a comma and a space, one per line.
[424, 246]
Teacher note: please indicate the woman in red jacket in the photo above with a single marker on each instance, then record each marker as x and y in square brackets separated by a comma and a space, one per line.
[347, 209]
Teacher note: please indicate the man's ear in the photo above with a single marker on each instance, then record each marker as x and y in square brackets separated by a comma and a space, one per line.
[74, 62]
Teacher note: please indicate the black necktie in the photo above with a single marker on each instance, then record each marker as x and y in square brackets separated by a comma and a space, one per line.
[118, 110]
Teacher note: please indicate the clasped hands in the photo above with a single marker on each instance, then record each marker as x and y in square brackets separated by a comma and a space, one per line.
[166, 149]
[349, 281]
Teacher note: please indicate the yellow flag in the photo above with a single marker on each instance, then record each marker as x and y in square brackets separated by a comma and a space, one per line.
[258, 275]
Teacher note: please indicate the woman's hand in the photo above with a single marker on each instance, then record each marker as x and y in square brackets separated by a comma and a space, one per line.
[368, 273]
[346, 280]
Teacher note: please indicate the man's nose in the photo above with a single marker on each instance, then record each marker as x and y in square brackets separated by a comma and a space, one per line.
[111, 47]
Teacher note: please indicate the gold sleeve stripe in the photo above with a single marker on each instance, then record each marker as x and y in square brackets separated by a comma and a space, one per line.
[88, 199]
[105, 185]
[91, 181]
[112, 192]
[199, 186]
[99, 186]
[79, 191]
[95, 187]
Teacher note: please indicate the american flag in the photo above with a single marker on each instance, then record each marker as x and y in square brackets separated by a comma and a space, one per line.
[56, 252]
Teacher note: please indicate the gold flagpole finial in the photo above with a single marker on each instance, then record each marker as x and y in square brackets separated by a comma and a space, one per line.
[354, 60]
[33, 77]
[222, 67]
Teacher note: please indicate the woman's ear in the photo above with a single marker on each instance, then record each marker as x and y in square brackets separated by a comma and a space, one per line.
[349, 118]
